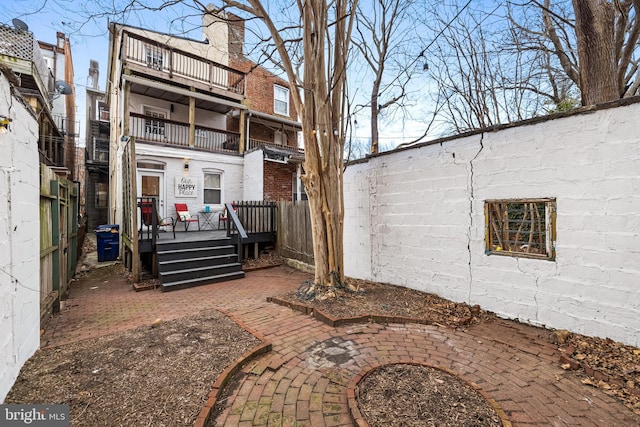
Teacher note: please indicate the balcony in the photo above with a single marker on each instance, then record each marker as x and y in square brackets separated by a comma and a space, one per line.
[254, 144]
[174, 133]
[19, 51]
[152, 59]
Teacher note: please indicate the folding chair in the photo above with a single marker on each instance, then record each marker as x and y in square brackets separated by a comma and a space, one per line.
[184, 216]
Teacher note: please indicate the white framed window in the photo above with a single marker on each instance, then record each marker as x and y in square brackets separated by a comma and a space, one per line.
[103, 111]
[521, 228]
[280, 100]
[154, 56]
[157, 126]
[212, 188]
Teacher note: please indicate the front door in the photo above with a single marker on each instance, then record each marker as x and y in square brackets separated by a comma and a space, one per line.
[151, 184]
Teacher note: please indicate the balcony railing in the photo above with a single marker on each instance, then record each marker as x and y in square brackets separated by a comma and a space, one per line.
[20, 44]
[171, 132]
[98, 150]
[175, 62]
[256, 143]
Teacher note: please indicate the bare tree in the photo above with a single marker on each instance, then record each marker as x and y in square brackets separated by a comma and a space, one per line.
[384, 34]
[595, 43]
[481, 80]
[318, 93]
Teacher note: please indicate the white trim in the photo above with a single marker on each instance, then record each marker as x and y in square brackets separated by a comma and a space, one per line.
[277, 99]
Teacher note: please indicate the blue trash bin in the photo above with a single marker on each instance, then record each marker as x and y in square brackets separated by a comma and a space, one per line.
[108, 240]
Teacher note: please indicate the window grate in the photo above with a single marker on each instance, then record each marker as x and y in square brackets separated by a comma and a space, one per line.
[521, 227]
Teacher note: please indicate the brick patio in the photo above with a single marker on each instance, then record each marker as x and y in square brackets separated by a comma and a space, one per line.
[303, 381]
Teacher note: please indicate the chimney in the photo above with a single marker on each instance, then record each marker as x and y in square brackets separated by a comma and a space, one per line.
[236, 35]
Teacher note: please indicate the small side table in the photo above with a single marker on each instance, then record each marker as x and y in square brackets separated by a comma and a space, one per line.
[208, 219]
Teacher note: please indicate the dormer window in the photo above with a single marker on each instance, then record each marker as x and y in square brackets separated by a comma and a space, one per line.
[280, 100]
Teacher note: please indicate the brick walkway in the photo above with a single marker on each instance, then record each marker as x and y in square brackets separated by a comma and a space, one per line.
[302, 381]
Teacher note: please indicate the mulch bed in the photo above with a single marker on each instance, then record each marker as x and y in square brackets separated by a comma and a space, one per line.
[157, 375]
[418, 395]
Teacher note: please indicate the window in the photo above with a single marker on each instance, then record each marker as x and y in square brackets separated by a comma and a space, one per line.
[298, 189]
[154, 127]
[102, 193]
[212, 188]
[103, 111]
[278, 137]
[521, 227]
[154, 57]
[280, 100]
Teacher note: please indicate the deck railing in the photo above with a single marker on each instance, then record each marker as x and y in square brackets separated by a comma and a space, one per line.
[258, 219]
[257, 143]
[171, 132]
[176, 62]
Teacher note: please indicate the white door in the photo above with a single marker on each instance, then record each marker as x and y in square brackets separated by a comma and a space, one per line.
[151, 184]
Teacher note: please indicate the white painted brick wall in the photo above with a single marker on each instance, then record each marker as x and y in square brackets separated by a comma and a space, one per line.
[231, 168]
[418, 216]
[19, 240]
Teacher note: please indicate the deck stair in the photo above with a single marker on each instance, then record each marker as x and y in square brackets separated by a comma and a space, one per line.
[187, 264]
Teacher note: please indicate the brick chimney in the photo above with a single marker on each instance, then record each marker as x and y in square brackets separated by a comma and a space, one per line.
[236, 35]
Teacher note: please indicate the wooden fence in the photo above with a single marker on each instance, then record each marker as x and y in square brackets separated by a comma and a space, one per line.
[59, 205]
[294, 231]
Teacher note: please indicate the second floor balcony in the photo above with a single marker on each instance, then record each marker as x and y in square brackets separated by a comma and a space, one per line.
[153, 59]
[157, 130]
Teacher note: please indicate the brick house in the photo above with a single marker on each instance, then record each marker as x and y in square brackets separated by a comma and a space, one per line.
[184, 111]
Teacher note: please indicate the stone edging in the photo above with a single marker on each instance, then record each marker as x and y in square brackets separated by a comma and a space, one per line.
[342, 321]
[225, 376]
[359, 420]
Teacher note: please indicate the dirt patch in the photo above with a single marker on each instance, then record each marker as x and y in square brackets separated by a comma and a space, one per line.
[444, 401]
[614, 367]
[156, 375]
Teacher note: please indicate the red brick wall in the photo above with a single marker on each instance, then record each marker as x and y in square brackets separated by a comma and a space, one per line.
[278, 181]
[260, 86]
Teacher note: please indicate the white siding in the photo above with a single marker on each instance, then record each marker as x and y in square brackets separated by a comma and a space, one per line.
[419, 215]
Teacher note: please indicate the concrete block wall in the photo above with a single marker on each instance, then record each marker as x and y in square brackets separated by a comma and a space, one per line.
[418, 217]
[19, 239]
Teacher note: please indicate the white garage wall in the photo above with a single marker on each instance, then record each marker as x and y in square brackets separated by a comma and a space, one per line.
[19, 240]
[415, 218]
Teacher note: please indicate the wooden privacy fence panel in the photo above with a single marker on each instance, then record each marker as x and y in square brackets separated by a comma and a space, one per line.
[295, 239]
[58, 239]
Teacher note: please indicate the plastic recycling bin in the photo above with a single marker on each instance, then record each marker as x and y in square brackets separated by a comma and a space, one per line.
[108, 240]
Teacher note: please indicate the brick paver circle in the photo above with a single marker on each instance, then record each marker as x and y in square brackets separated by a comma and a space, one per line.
[303, 381]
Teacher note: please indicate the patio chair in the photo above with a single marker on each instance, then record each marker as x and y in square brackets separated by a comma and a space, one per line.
[222, 218]
[146, 209]
[184, 216]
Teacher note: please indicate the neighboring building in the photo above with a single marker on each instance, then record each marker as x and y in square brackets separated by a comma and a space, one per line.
[36, 62]
[96, 152]
[207, 126]
[60, 62]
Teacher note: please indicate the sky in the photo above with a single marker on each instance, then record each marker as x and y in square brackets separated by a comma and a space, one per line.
[85, 23]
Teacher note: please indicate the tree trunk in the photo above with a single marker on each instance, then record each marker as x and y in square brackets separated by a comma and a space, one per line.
[596, 50]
